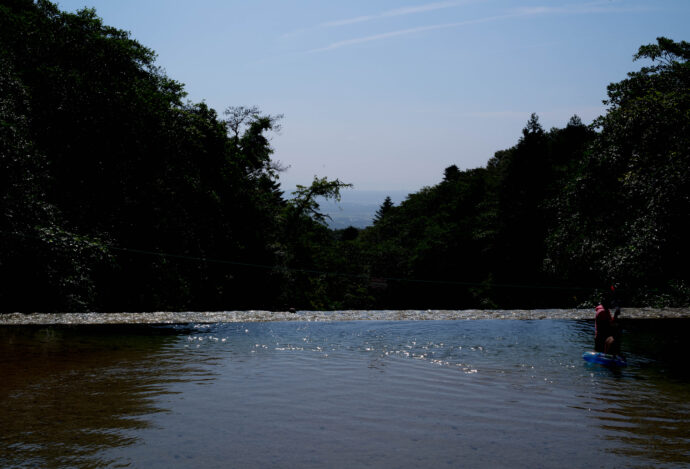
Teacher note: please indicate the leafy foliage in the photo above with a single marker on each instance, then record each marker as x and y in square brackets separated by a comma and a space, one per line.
[34, 248]
[117, 194]
[621, 217]
[120, 164]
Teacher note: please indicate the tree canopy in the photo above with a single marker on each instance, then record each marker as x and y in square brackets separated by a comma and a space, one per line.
[116, 193]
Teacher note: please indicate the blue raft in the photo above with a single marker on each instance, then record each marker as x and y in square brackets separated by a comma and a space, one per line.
[604, 359]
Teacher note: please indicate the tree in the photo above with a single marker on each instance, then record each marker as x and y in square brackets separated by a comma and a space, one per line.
[305, 198]
[533, 128]
[306, 248]
[451, 173]
[621, 217]
[119, 190]
[522, 178]
[383, 210]
[43, 266]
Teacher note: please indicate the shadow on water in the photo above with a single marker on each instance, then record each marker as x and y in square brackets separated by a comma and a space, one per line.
[651, 424]
[69, 393]
[644, 409]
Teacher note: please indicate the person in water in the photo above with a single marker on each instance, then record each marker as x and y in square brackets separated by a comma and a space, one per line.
[606, 330]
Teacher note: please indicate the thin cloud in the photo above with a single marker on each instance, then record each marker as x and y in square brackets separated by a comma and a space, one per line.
[405, 32]
[581, 8]
[396, 12]
[585, 8]
[387, 14]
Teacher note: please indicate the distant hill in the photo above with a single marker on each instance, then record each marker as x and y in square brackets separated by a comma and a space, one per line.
[357, 207]
[345, 214]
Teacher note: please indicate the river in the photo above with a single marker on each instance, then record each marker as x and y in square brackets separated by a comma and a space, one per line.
[329, 392]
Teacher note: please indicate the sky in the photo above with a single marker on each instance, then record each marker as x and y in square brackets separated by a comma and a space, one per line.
[385, 94]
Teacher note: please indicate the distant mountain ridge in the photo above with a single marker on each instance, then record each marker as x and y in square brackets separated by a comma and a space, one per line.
[358, 207]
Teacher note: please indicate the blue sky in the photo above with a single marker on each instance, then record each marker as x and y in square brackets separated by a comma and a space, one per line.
[386, 94]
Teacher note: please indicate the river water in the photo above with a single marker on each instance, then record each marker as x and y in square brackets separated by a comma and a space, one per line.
[332, 393]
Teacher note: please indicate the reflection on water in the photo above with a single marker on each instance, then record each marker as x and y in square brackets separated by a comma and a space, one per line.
[652, 425]
[343, 394]
[650, 414]
[68, 394]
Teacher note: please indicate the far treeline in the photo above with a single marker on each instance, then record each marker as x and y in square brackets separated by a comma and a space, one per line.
[118, 194]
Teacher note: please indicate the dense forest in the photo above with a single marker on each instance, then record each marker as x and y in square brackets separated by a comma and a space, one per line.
[119, 194]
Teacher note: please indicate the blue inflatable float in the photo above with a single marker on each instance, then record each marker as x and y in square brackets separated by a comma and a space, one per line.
[604, 359]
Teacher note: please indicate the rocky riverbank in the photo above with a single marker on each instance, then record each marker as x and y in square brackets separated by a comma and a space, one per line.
[162, 317]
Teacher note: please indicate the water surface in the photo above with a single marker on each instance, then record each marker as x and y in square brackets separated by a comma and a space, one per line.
[342, 394]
